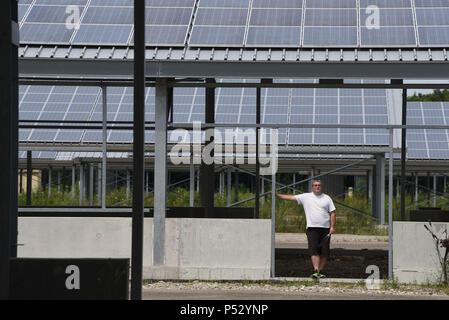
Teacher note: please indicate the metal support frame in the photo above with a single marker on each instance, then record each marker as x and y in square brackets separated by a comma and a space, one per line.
[192, 182]
[59, 180]
[160, 171]
[128, 184]
[228, 181]
[81, 182]
[416, 189]
[390, 209]
[104, 147]
[49, 181]
[73, 182]
[99, 184]
[380, 188]
[138, 151]
[9, 43]
[273, 223]
[434, 190]
[29, 177]
[91, 184]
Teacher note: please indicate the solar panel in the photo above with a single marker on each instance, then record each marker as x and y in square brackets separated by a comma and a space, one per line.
[218, 26]
[395, 26]
[274, 27]
[432, 23]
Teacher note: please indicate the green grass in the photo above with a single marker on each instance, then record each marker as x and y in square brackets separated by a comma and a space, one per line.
[289, 216]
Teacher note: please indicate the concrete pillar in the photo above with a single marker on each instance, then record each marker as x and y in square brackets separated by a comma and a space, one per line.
[380, 188]
[160, 171]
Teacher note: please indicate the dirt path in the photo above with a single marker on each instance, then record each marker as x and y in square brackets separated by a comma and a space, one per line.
[350, 256]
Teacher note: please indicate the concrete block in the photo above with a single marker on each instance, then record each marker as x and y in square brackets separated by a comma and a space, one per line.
[415, 257]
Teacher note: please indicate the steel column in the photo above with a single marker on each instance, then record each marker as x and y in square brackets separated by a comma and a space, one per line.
[81, 197]
[104, 150]
[9, 42]
[380, 188]
[138, 150]
[73, 183]
[192, 182]
[434, 190]
[49, 181]
[160, 171]
[29, 177]
[390, 210]
[228, 181]
[91, 184]
[416, 189]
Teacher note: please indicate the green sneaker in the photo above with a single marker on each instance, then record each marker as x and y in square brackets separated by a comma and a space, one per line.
[314, 275]
[321, 275]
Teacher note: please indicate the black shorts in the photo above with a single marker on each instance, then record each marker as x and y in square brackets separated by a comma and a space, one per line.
[319, 243]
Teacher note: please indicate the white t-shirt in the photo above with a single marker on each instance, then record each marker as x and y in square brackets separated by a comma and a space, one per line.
[317, 209]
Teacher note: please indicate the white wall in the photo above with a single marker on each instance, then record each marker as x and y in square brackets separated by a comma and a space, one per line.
[195, 248]
[415, 258]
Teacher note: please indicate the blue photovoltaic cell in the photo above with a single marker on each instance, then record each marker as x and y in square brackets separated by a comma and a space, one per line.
[44, 33]
[220, 36]
[331, 4]
[109, 15]
[386, 3]
[432, 16]
[276, 17]
[227, 3]
[105, 34]
[391, 36]
[431, 3]
[330, 36]
[277, 3]
[325, 17]
[438, 36]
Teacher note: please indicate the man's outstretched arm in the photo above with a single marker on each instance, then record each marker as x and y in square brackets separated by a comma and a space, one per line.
[285, 197]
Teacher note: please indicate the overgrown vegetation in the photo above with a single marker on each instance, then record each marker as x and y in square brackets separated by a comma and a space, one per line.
[289, 216]
[437, 95]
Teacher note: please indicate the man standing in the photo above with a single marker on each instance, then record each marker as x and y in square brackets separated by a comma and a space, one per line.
[320, 216]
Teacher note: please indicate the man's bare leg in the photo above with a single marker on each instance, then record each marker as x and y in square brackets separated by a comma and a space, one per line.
[316, 262]
[322, 262]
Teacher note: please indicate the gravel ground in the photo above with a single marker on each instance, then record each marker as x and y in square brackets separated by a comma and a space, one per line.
[337, 291]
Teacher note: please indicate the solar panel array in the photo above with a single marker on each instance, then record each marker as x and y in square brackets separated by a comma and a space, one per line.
[233, 105]
[238, 23]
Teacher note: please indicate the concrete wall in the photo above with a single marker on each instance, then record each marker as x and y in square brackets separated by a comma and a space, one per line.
[415, 258]
[206, 249]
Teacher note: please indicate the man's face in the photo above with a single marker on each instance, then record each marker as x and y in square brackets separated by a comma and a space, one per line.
[316, 188]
